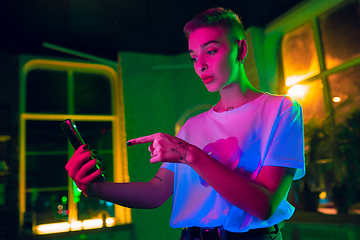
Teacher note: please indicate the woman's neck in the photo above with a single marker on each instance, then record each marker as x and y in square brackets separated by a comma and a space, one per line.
[234, 96]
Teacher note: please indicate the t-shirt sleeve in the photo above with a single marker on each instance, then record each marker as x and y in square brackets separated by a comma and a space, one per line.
[169, 166]
[286, 145]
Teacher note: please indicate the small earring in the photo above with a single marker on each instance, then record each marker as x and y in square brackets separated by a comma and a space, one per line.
[242, 61]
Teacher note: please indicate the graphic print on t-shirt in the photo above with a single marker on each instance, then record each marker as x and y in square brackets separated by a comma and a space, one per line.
[228, 152]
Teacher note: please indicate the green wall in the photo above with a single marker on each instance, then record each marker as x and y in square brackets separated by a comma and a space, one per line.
[157, 91]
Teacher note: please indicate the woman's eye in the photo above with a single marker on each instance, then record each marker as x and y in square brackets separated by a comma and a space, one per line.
[211, 52]
[194, 59]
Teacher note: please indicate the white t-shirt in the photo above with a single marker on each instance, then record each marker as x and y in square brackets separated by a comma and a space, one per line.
[267, 131]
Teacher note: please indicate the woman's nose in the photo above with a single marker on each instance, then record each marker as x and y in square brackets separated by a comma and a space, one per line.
[202, 66]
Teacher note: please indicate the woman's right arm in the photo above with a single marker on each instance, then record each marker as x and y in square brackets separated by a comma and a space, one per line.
[150, 194]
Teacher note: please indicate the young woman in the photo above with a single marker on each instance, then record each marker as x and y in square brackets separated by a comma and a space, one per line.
[229, 169]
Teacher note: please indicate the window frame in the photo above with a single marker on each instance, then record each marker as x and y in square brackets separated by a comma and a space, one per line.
[120, 164]
[324, 73]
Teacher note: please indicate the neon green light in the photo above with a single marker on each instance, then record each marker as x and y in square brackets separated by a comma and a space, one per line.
[64, 200]
[77, 193]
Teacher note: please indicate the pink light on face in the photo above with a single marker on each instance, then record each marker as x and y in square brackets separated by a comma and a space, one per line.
[214, 57]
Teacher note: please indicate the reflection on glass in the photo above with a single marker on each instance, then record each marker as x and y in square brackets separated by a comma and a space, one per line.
[300, 60]
[50, 206]
[46, 91]
[92, 94]
[345, 88]
[340, 34]
[310, 96]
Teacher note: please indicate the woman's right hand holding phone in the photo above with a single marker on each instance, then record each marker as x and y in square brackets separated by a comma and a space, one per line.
[78, 169]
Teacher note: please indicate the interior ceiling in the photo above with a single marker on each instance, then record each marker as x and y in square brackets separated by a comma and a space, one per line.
[104, 27]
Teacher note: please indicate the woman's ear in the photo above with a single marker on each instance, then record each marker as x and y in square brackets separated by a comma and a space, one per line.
[243, 49]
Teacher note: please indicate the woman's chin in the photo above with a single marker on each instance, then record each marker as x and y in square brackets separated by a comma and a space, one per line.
[212, 88]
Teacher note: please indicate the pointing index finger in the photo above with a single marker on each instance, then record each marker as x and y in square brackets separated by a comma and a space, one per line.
[141, 140]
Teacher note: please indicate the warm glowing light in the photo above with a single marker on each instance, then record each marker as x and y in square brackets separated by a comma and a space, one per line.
[336, 99]
[300, 60]
[295, 79]
[92, 223]
[60, 207]
[297, 91]
[322, 195]
[53, 228]
[329, 211]
[76, 226]
[110, 222]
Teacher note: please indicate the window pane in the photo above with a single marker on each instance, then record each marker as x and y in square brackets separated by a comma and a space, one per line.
[300, 60]
[340, 34]
[310, 96]
[46, 171]
[345, 92]
[45, 136]
[50, 206]
[94, 208]
[92, 94]
[46, 91]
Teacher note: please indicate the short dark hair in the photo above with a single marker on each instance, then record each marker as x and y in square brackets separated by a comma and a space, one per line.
[216, 17]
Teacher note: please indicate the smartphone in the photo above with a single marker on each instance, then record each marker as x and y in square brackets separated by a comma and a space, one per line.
[73, 134]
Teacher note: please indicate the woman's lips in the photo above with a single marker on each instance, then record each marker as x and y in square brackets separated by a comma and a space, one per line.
[207, 80]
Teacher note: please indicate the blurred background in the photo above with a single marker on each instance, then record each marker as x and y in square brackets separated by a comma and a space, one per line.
[120, 70]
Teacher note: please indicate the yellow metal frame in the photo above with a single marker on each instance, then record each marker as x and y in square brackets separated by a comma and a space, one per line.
[122, 214]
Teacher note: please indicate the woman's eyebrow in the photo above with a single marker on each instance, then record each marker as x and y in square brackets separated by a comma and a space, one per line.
[205, 44]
